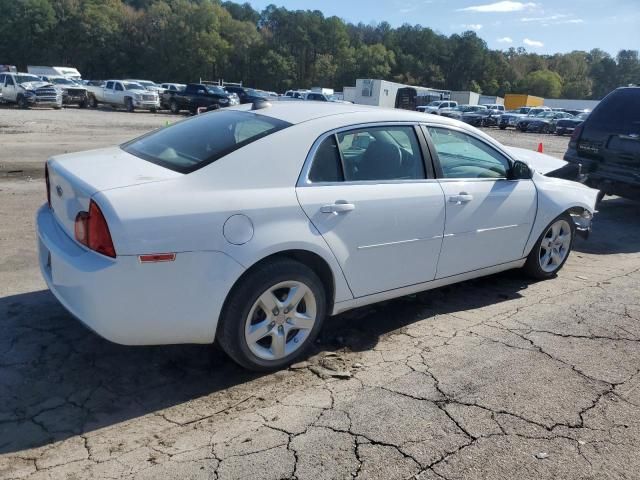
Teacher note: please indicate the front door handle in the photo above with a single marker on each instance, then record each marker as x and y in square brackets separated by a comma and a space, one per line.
[462, 197]
[341, 206]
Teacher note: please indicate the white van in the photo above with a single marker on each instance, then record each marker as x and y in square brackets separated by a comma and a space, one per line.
[67, 72]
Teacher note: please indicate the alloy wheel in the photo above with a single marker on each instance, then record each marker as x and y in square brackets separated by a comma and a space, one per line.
[280, 320]
[555, 246]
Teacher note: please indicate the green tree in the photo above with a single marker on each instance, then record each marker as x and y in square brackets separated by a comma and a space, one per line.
[543, 83]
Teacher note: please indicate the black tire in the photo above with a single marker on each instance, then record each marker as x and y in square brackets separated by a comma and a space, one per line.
[173, 106]
[502, 127]
[93, 101]
[231, 334]
[532, 266]
[82, 104]
[128, 103]
[22, 102]
[154, 110]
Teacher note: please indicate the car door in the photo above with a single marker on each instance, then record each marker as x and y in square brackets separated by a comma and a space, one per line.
[108, 92]
[9, 92]
[2, 80]
[368, 192]
[488, 216]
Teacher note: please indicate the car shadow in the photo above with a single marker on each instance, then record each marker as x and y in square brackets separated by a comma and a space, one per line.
[616, 228]
[59, 379]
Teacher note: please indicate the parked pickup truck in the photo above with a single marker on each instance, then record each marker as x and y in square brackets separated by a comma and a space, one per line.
[72, 92]
[121, 93]
[27, 90]
[197, 95]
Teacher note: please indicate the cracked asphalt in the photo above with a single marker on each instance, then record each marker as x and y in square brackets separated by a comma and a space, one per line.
[496, 378]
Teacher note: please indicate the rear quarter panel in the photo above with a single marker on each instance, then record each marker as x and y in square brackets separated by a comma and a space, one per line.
[188, 214]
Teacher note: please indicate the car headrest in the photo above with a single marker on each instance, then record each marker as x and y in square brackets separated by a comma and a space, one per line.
[381, 161]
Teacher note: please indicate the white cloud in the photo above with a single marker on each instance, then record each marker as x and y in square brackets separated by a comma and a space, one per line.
[505, 40]
[504, 6]
[559, 19]
[550, 18]
[472, 26]
[533, 43]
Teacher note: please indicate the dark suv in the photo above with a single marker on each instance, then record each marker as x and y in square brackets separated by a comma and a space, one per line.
[607, 144]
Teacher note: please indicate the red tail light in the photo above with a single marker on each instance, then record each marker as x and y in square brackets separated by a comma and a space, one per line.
[91, 230]
[573, 142]
[46, 179]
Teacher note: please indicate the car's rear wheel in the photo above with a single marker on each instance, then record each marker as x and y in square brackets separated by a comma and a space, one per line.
[173, 106]
[552, 249]
[272, 316]
[502, 127]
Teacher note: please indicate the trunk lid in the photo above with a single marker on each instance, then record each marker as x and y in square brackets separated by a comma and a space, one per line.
[75, 178]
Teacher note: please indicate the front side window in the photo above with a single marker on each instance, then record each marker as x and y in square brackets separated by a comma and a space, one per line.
[463, 156]
[381, 153]
[192, 144]
[118, 87]
[109, 85]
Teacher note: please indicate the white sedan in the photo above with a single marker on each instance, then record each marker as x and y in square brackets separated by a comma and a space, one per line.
[248, 226]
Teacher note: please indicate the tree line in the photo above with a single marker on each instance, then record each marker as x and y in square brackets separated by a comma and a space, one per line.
[277, 49]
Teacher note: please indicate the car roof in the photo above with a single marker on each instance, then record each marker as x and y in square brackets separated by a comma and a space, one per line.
[300, 112]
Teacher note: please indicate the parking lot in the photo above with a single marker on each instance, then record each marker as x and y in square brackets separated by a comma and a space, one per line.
[499, 377]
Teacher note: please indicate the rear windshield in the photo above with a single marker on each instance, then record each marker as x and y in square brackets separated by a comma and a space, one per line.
[191, 144]
[619, 111]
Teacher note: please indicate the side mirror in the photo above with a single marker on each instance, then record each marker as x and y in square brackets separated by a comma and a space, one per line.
[520, 171]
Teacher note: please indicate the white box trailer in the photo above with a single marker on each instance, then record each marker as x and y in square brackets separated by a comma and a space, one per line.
[67, 72]
[382, 93]
[349, 94]
[465, 97]
[324, 91]
[571, 104]
[491, 100]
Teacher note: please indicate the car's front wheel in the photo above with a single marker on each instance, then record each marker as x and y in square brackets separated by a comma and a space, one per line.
[22, 102]
[552, 249]
[273, 315]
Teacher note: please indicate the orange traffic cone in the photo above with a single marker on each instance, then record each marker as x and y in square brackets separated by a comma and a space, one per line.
[540, 148]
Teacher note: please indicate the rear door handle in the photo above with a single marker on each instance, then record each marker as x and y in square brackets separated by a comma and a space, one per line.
[341, 206]
[462, 197]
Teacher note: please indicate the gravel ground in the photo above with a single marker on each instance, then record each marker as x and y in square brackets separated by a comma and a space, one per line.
[497, 378]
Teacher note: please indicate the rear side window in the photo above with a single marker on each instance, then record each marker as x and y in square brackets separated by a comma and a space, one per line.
[326, 165]
[381, 153]
[192, 144]
[619, 111]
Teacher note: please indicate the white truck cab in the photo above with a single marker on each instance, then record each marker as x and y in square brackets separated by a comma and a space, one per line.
[27, 90]
[436, 105]
[123, 93]
[494, 106]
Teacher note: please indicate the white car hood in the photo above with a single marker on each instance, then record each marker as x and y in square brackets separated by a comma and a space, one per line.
[540, 162]
[35, 85]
